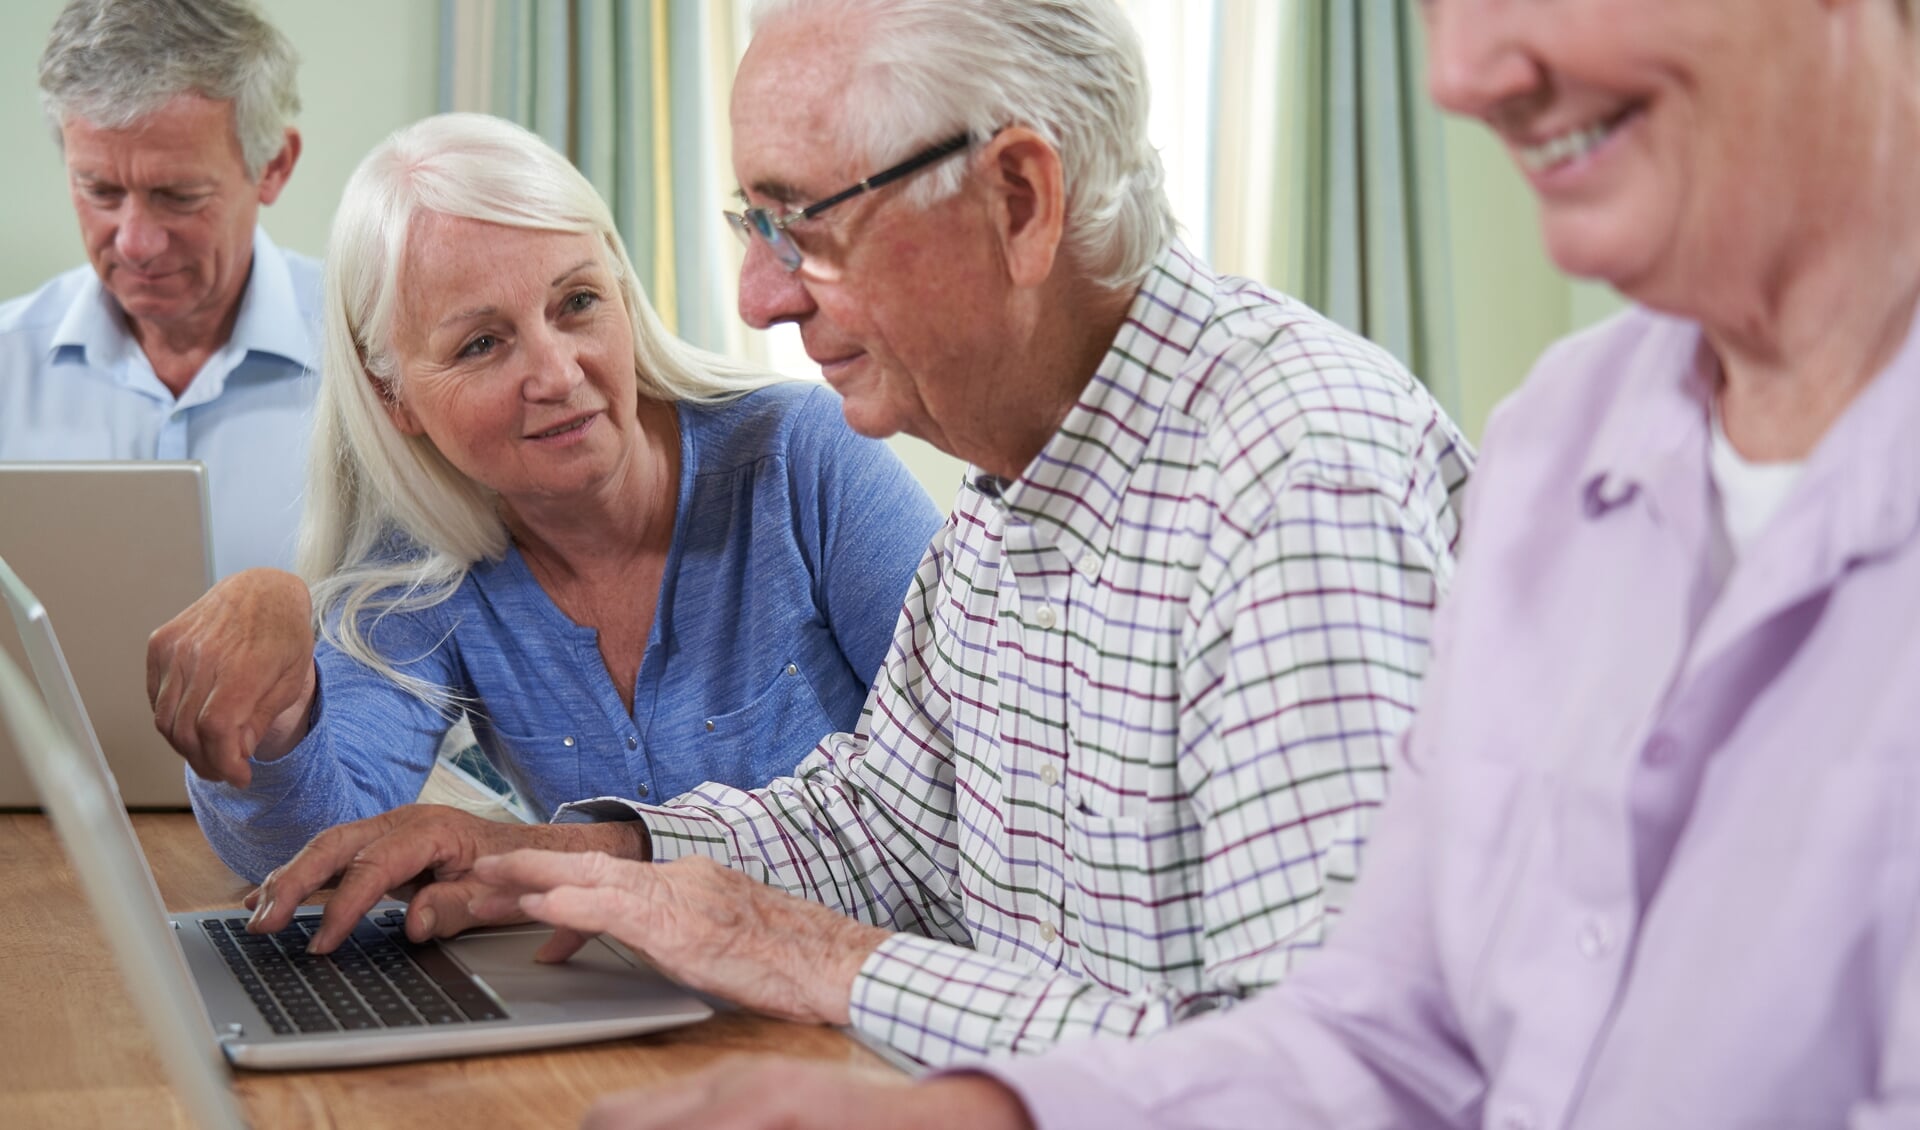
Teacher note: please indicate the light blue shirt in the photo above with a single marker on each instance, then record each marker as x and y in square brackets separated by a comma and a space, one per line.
[74, 384]
[793, 543]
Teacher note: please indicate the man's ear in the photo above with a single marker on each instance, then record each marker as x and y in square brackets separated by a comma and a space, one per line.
[1028, 201]
[279, 168]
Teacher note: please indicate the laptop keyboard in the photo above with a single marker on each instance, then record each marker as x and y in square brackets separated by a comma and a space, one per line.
[376, 979]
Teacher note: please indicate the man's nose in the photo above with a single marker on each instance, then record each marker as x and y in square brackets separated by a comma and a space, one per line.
[769, 293]
[140, 237]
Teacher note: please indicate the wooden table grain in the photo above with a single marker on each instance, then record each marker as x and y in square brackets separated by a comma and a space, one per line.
[73, 1052]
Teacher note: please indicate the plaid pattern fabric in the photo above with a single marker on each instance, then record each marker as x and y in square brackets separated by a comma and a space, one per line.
[1123, 755]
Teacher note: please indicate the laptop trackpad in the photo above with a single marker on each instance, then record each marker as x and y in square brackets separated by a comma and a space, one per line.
[598, 973]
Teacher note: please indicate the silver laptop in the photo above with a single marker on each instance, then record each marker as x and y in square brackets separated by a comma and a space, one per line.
[203, 983]
[115, 550]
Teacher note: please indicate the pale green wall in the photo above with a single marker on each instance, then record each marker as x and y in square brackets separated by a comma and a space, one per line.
[1589, 302]
[1510, 302]
[368, 67]
[38, 237]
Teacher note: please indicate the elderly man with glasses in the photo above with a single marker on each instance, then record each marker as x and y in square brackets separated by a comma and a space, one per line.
[1124, 753]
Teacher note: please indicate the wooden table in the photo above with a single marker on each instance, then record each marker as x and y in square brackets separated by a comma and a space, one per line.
[56, 976]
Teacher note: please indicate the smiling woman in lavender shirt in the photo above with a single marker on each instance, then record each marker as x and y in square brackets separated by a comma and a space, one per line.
[636, 565]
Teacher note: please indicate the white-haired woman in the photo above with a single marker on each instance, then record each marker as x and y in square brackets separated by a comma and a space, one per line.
[636, 565]
[1650, 858]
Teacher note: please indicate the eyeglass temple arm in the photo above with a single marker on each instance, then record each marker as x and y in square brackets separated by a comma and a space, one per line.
[877, 180]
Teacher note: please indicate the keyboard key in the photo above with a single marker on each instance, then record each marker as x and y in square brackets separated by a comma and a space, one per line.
[372, 980]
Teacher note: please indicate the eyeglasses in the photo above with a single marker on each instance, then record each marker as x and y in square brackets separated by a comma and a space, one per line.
[772, 230]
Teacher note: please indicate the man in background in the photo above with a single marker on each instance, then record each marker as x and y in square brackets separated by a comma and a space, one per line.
[189, 335]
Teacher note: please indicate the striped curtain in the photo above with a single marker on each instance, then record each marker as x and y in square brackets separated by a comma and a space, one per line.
[1330, 181]
[634, 93]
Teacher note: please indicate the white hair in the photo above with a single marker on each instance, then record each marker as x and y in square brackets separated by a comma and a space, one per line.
[113, 62]
[389, 523]
[1070, 70]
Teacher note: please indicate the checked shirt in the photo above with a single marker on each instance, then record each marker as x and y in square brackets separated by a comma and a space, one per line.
[1125, 750]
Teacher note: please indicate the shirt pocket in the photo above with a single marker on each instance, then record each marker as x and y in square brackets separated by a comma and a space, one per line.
[764, 739]
[1135, 896]
[548, 770]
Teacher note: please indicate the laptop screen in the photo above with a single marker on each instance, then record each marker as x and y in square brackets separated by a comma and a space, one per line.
[113, 550]
[76, 789]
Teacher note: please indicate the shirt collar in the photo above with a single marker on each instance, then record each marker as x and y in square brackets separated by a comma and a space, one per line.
[92, 325]
[1861, 486]
[269, 321]
[1651, 447]
[1859, 494]
[1074, 487]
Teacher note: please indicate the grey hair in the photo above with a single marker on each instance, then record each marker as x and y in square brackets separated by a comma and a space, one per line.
[113, 62]
[1070, 70]
[389, 524]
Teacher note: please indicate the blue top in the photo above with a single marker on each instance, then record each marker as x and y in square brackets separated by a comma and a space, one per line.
[794, 541]
[74, 384]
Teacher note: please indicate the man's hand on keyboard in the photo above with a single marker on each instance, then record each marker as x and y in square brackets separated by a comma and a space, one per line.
[708, 927]
[423, 853]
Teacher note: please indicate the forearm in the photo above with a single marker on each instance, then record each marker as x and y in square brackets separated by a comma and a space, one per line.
[1267, 1064]
[368, 751]
[948, 1004]
[256, 829]
[815, 835]
[621, 839]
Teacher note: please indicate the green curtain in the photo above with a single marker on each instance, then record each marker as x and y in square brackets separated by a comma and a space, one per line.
[632, 91]
[1324, 156]
[1366, 229]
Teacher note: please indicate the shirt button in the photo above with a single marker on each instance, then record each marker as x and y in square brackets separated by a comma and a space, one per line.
[793, 669]
[1047, 933]
[1089, 566]
[1593, 940]
[1044, 616]
[709, 725]
[641, 789]
[1048, 776]
[633, 742]
[568, 742]
[1661, 750]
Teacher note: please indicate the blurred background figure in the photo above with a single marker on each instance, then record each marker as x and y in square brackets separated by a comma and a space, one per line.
[189, 334]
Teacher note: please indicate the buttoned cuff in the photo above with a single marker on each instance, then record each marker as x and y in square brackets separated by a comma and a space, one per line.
[672, 832]
[935, 1001]
[272, 781]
